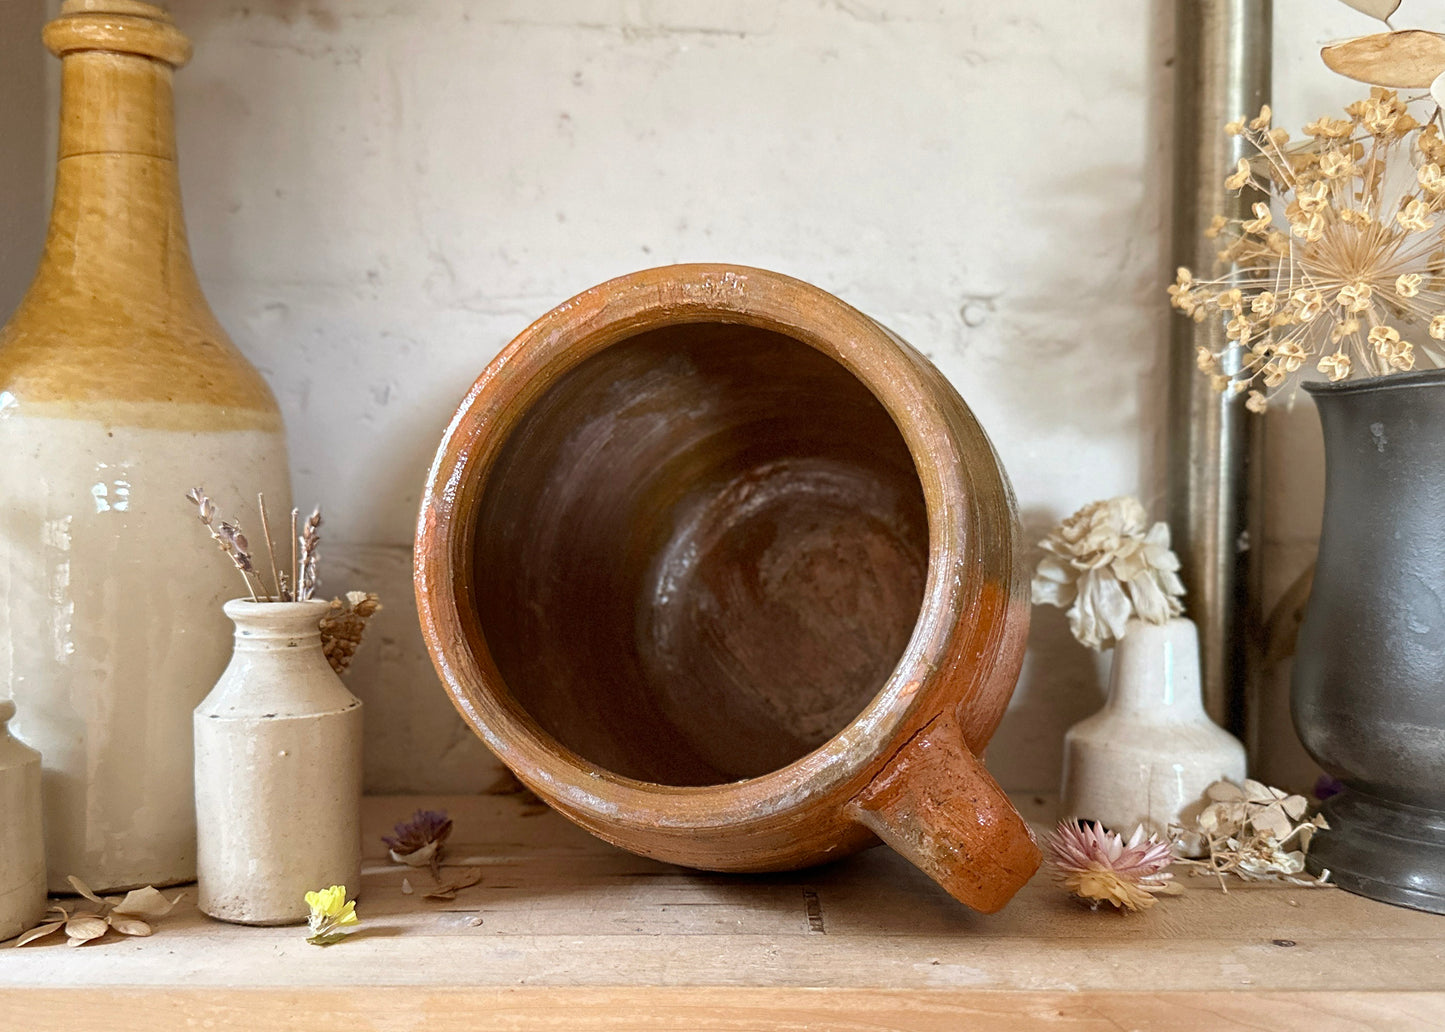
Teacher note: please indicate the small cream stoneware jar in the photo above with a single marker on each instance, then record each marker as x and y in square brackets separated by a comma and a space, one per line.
[22, 842]
[278, 771]
[1149, 754]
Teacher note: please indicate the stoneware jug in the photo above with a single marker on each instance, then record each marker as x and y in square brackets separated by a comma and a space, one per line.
[22, 846]
[278, 771]
[729, 575]
[119, 391]
[1149, 754]
[1368, 695]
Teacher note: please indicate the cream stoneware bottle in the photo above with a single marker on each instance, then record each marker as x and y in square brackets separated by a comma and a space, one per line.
[278, 771]
[22, 849]
[1149, 754]
[118, 392]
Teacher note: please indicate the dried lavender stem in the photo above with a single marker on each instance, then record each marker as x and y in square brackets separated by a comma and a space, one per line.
[295, 569]
[270, 548]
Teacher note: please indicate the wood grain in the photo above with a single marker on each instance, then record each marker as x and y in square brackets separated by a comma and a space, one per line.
[566, 932]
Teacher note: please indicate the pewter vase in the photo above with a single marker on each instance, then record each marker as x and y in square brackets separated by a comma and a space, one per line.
[1368, 693]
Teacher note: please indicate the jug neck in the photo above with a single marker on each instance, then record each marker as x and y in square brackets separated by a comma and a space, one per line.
[290, 628]
[116, 224]
[1155, 672]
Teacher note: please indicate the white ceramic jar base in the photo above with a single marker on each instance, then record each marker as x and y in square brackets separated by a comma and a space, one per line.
[1149, 754]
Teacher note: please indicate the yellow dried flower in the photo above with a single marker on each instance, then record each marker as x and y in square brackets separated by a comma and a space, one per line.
[1256, 402]
[1261, 121]
[1215, 225]
[1430, 178]
[1291, 356]
[1437, 327]
[1205, 360]
[1313, 198]
[330, 912]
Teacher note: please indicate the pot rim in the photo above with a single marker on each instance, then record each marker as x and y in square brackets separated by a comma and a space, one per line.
[1387, 382]
[906, 385]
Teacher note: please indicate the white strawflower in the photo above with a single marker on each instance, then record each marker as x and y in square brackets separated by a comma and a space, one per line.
[1105, 564]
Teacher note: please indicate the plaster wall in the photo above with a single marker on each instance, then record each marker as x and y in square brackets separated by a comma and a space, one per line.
[381, 194]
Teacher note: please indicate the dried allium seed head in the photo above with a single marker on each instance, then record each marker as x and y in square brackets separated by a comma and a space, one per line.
[1362, 199]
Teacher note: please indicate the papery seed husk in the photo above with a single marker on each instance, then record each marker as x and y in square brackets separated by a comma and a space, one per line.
[82, 928]
[127, 925]
[1410, 58]
[1381, 9]
[39, 932]
[82, 888]
[147, 902]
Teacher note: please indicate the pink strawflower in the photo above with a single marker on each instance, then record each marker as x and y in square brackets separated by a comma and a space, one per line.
[1098, 866]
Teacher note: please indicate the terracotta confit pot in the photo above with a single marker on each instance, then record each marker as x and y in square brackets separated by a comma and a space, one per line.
[729, 575]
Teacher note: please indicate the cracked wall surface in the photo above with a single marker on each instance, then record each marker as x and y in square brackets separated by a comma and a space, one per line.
[380, 195]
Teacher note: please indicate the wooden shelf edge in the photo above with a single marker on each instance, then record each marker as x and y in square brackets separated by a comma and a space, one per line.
[707, 1009]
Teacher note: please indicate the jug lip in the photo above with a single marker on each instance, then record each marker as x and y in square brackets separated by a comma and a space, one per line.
[904, 384]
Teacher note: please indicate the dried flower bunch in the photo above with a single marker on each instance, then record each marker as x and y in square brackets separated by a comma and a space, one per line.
[1106, 564]
[1345, 273]
[344, 625]
[298, 583]
[1099, 866]
[1257, 833]
[331, 911]
[418, 842]
[133, 914]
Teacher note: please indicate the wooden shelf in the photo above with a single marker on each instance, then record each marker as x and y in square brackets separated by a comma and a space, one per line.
[566, 933]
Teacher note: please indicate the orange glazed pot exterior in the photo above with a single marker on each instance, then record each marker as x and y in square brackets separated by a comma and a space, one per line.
[729, 575]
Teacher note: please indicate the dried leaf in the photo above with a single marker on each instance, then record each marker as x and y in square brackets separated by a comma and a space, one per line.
[1410, 58]
[82, 888]
[1295, 806]
[1381, 9]
[127, 925]
[39, 932]
[466, 879]
[147, 902]
[82, 928]
[1272, 821]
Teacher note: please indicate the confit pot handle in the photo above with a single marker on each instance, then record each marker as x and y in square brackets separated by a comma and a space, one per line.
[936, 804]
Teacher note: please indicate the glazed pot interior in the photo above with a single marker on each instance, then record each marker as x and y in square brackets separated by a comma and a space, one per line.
[699, 554]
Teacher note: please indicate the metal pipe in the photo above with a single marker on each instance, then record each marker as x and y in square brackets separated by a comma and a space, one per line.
[1222, 50]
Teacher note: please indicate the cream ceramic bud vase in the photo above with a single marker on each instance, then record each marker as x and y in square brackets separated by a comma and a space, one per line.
[1149, 754]
[278, 771]
[22, 847]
